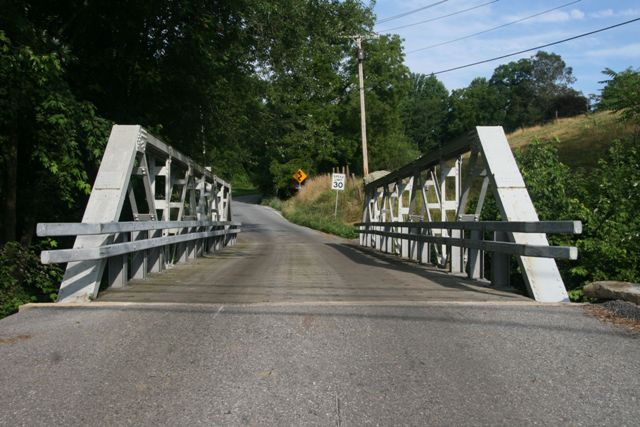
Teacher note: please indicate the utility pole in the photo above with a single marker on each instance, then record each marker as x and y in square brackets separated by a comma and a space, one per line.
[363, 116]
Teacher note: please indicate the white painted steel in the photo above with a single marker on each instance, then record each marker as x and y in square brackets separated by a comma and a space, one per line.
[115, 249]
[443, 214]
[81, 279]
[553, 227]
[541, 275]
[76, 229]
[133, 154]
[510, 248]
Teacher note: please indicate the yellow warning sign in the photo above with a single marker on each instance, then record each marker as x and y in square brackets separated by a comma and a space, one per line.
[300, 176]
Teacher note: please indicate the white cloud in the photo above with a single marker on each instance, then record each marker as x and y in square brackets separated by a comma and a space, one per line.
[627, 51]
[551, 17]
[606, 13]
[609, 13]
[577, 14]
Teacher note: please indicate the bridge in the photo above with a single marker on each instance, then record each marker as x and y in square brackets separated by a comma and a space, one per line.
[181, 306]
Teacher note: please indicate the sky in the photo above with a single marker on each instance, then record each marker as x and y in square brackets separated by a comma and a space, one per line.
[618, 48]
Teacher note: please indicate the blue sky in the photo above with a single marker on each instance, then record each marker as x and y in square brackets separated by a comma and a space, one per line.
[618, 48]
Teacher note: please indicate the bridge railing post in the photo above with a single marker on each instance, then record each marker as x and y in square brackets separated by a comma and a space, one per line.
[139, 260]
[118, 266]
[500, 263]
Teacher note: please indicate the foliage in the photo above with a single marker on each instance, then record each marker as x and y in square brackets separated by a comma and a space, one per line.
[531, 88]
[606, 200]
[23, 279]
[610, 249]
[49, 139]
[273, 202]
[518, 94]
[479, 104]
[314, 206]
[622, 93]
[425, 112]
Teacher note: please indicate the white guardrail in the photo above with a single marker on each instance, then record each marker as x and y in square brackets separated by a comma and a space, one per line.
[413, 240]
[140, 247]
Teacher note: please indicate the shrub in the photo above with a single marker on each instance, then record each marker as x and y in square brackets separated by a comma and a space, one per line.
[24, 279]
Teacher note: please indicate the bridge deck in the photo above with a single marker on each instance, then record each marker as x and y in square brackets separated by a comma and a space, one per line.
[276, 261]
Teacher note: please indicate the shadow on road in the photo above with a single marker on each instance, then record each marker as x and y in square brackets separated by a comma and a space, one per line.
[527, 317]
[372, 258]
[251, 199]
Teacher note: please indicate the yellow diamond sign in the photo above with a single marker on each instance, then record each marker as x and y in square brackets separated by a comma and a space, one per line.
[299, 176]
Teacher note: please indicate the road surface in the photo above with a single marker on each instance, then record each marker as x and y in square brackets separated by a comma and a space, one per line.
[312, 361]
[276, 261]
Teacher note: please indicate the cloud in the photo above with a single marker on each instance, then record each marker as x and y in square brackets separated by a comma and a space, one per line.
[606, 13]
[577, 14]
[628, 51]
[609, 13]
[551, 17]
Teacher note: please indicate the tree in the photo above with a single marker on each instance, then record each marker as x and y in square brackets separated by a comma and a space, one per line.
[622, 93]
[533, 87]
[386, 86]
[425, 111]
[49, 139]
[479, 104]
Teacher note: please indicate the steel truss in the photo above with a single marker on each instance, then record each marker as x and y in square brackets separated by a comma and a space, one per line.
[143, 179]
[432, 189]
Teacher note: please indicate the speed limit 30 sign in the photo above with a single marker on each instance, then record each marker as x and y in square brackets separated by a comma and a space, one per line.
[338, 181]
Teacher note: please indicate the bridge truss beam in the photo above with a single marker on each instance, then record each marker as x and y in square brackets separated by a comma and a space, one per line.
[431, 189]
[144, 179]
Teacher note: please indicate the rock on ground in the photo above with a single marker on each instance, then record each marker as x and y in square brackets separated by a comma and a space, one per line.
[612, 290]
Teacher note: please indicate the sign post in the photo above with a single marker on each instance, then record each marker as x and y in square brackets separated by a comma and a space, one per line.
[338, 181]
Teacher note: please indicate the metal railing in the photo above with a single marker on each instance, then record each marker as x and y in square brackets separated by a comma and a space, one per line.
[443, 208]
[134, 249]
[466, 243]
[180, 210]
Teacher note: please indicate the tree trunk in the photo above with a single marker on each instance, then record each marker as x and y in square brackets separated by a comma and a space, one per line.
[10, 189]
[28, 230]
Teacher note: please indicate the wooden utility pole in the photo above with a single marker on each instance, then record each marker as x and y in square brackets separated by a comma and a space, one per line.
[363, 116]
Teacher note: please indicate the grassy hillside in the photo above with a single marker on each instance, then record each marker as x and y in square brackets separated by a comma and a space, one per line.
[582, 140]
[315, 203]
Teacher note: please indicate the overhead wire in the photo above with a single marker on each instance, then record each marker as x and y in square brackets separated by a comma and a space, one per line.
[438, 17]
[538, 47]
[401, 15]
[544, 12]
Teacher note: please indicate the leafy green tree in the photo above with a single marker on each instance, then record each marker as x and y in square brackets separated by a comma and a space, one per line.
[387, 85]
[622, 93]
[24, 279]
[479, 104]
[425, 112]
[534, 88]
[50, 141]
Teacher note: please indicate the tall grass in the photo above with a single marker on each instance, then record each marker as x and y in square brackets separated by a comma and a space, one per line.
[314, 206]
[582, 140]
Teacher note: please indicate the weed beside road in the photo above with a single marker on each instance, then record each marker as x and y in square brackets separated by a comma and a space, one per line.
[315, 203]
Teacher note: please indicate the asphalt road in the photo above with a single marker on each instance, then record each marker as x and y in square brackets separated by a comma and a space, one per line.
[325, 365]
[313, 362]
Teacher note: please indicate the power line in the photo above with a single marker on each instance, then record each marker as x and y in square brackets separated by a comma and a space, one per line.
[391, 18]
[538, 47]
[439, 17]
[495, 28]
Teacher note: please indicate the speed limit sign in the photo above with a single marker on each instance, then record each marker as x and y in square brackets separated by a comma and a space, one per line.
[337, 181]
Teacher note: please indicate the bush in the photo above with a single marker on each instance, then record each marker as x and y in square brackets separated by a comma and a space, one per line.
[24, 279]
[606, 200]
